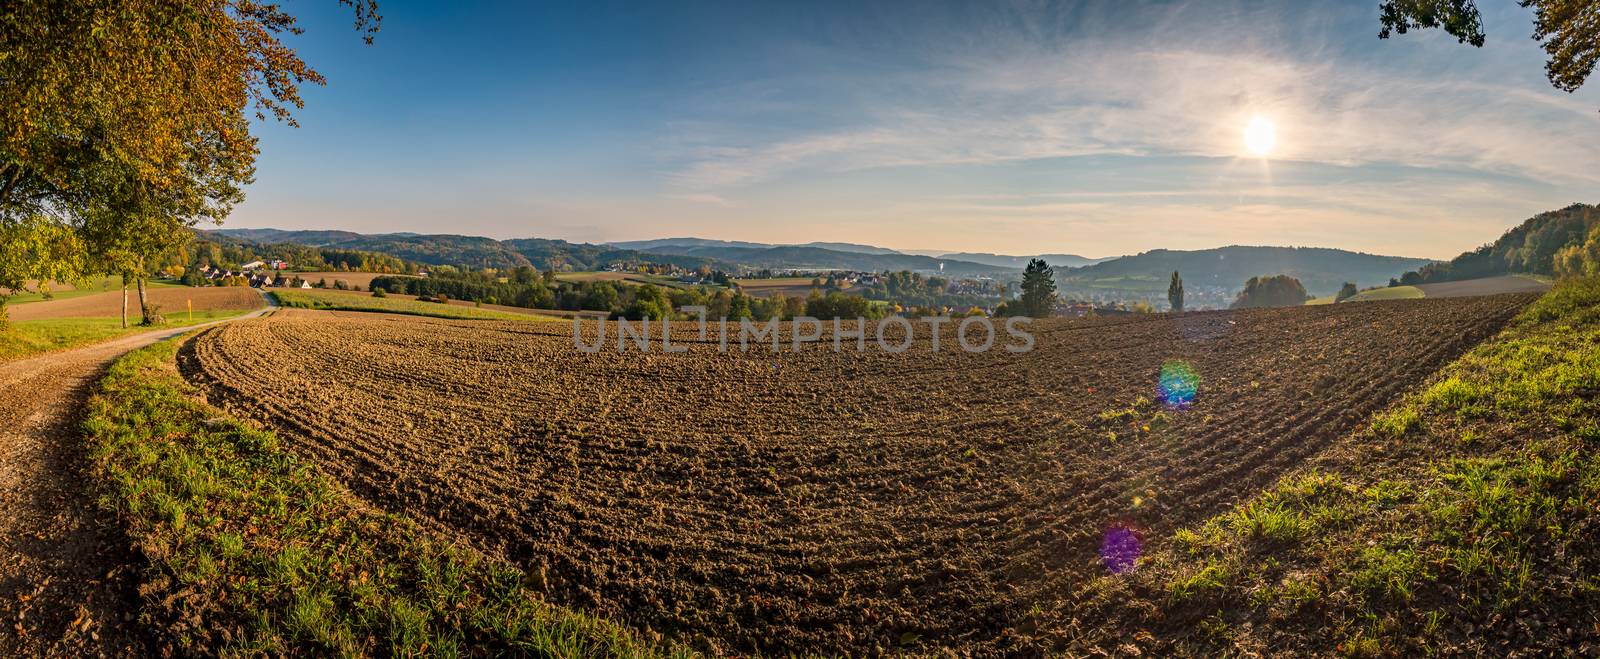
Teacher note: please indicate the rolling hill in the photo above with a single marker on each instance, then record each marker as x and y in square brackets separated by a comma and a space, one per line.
[1554, 243]
[470, 251]
[804, 257]
[308, 238]
[688, 245]
[1321, 270]
[560, 255]
[1020, 262]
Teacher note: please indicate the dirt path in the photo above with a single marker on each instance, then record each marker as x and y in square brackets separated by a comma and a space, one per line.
[67, 580]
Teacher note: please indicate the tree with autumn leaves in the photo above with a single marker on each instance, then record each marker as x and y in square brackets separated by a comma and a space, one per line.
[1569, 30]
[124, 123]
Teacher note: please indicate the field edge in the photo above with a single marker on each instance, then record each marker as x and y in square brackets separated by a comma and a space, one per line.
[22, 339]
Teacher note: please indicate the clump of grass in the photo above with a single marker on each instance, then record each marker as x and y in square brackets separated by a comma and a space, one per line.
[1396, 423]
[257, 554]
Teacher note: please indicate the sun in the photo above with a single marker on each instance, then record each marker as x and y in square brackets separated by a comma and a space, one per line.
[1260, 135]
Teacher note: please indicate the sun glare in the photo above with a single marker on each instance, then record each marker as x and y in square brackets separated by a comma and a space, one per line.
[1260, 135]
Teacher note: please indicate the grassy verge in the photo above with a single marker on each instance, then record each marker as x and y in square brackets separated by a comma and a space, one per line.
[313, 299]
[1461, 520]
[31, 337]
[252, 552]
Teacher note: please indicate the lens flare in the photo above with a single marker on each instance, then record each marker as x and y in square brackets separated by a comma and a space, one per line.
[1179, 384]
[1120, 549]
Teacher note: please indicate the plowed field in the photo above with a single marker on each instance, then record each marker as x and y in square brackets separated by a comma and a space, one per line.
[820, 501]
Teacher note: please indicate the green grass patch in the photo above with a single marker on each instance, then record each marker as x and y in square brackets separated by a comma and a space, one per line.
[1389, 293]
[252, 552]
[31, 337]
[313, 299]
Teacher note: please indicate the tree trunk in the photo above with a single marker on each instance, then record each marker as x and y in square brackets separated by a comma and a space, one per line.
[124, 302]
[144, 304]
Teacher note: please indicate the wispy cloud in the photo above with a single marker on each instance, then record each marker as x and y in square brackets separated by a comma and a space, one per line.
[705, 198]
[1101, 95]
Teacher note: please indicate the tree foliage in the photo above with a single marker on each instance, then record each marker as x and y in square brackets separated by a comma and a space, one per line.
[1555, 243]
[125, 120]
[1569, 30]
[838, 305]
[1038, 289]
[1271, 291]
[1175, 293]
[1346, 292]
[33, 251]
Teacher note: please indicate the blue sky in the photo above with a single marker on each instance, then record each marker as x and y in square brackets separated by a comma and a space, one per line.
[1096, 128]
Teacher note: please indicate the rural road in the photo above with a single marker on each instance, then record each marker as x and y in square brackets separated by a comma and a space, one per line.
[68, 584]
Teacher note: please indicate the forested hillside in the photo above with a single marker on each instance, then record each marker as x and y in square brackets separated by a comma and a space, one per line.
[1321, 270]
[807, 257]
[1557, 243]
[460, 251]
[1020, 262]
[560, 255]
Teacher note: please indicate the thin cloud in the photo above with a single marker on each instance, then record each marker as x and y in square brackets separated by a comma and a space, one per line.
[705, 198]
[1102, 96]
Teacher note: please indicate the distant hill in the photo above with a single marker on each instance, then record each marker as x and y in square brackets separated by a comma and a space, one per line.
[309, 238]
[685, 245]
[443, 249]
[668, 244]
[1322, 270]
[560, 255]
[1554, 243]
[1020, 262]
[805, 257]
[470, 251]
[851, 247]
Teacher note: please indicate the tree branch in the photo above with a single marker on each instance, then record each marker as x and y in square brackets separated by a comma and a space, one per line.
[11, 181]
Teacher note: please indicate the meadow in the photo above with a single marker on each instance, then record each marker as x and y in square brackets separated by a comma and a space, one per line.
[789, 286]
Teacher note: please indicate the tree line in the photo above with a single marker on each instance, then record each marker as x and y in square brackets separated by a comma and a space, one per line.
[529, 288]
[1560, 243]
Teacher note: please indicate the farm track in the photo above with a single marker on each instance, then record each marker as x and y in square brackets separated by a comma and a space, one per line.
[68, 580]
[820, 501]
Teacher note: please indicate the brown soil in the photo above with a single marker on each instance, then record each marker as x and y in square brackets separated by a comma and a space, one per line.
[168, 300]
[819, 501]
[67, 578]
[1484, 286]
[33, 285]
[553, 313]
